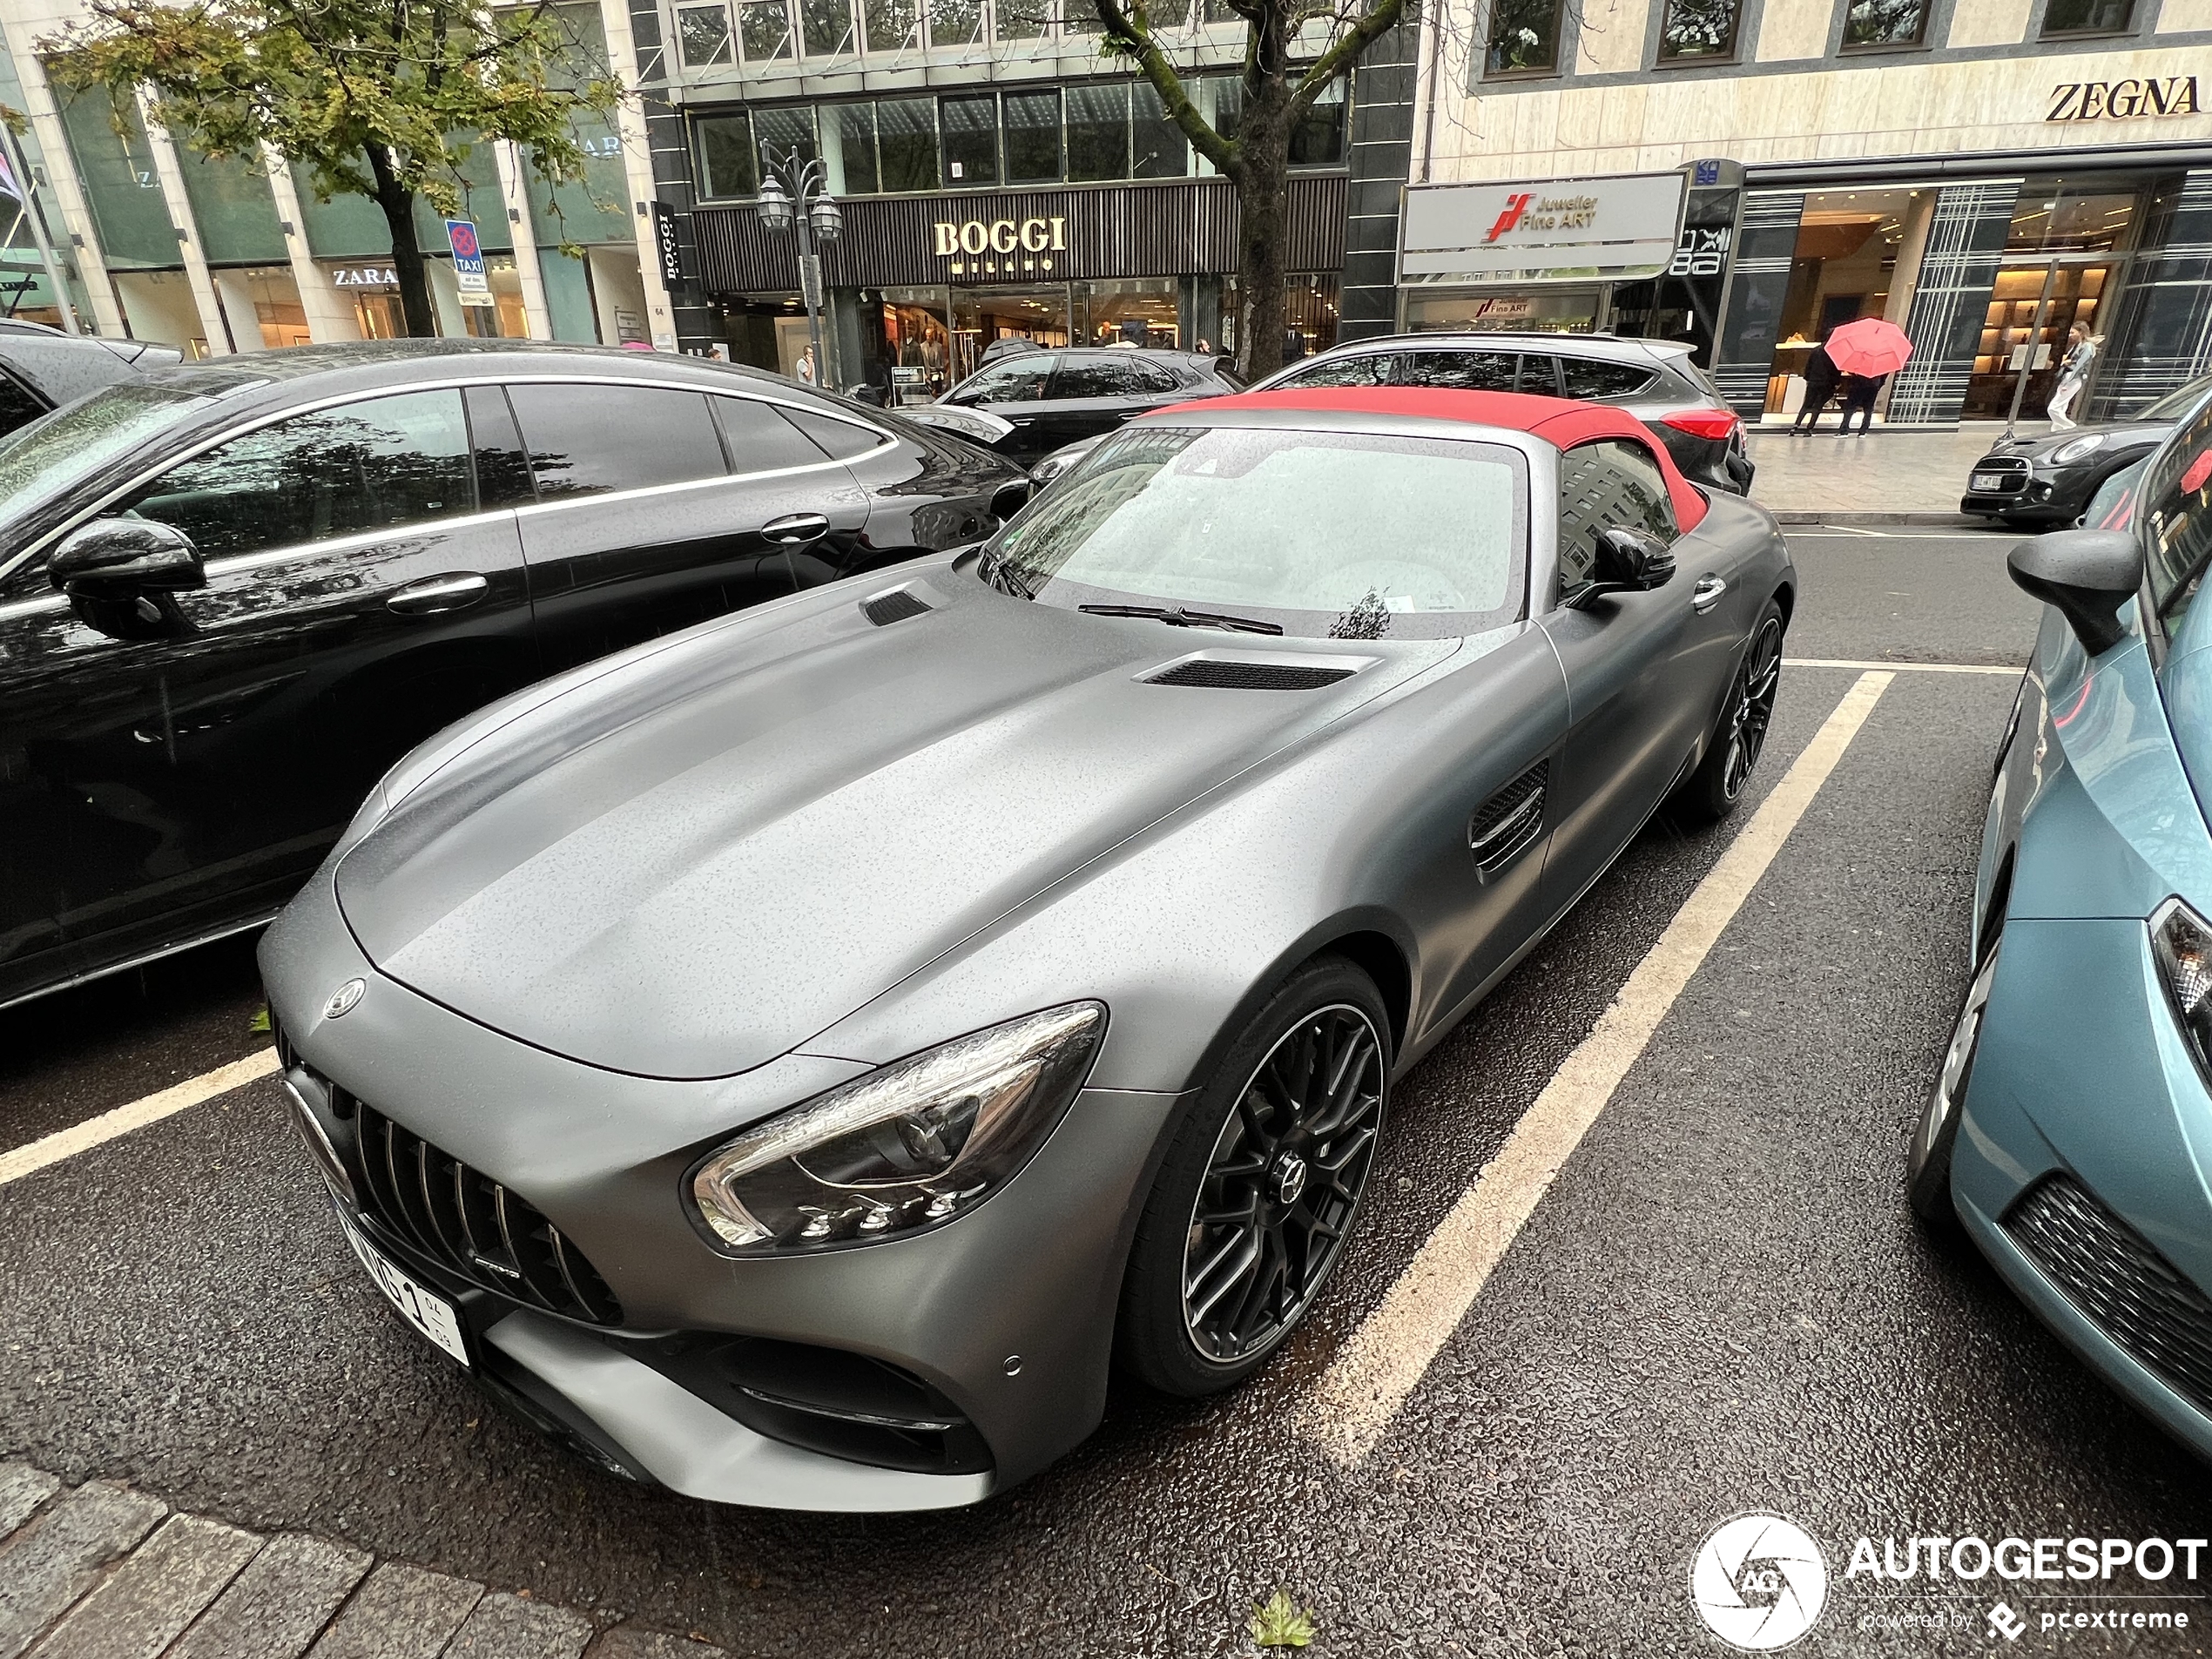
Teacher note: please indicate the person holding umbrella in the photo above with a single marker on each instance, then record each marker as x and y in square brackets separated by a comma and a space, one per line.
[1860, 392]
[1821, 375]
[1868, 351]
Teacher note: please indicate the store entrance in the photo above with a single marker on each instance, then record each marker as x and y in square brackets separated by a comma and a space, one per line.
[982, 316]
[2063, 263]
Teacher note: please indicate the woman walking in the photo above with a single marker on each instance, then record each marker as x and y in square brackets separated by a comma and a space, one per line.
[2073, 375]
[1821, 375]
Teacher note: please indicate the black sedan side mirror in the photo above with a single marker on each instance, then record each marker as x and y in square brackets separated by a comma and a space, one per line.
[2088, 576]
[1628, 560]
[1009, 498]
[120, 575]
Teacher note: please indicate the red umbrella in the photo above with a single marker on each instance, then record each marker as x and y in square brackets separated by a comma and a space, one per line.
[1869, 346]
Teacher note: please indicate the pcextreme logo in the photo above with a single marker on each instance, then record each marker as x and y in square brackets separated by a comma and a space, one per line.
[1758, 1581]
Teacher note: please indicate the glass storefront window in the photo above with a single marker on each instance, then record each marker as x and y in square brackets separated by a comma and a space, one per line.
[2088, 17]
[1572, 311]
[703, 35]
[764, 27]
[1318, 140]
[848, 148]
[1098, 132]
[1158, 148]
[892, 24]
[955, 22]
[1138, 311]
[791, 127]
[971, 136]
[907, 138]
[1885, 23]
[1698, 29]
[826, 27]
[1080, 18]
[232, 207]
[2062, 264]
[1019, 19]
[727, 166]
[1033, 137]
[120, 184]
[1524, 38]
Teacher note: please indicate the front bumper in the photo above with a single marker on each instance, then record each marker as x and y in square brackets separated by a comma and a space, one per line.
[1002, 1319]
[2083, 1080]
[2029, 494]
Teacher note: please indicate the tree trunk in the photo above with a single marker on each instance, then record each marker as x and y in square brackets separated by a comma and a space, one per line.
[398, 202]
[1262, 189]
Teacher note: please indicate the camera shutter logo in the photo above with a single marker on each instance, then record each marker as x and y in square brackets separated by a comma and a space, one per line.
[1758, 1581]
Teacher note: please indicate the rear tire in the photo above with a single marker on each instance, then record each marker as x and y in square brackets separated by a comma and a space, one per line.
[1710, 793]
[1248, 1215]
[1927, 1159]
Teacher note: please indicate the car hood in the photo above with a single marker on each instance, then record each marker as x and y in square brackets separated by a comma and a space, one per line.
[2117, 436]
[719, 846]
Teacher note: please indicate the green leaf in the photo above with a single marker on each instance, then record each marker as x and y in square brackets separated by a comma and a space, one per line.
[259, 1023]
[1280, 1622]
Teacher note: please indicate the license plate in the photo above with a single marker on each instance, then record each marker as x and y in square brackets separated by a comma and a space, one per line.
[429, 1312]
[1988, 481]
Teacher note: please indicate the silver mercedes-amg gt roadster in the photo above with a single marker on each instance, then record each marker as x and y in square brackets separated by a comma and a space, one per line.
[794, 1059]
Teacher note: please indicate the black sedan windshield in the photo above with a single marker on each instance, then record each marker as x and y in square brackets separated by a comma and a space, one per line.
[1320, 534]
[39, 461]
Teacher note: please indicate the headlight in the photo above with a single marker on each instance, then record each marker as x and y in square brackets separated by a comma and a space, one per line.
[1048, 469]
[2182, 941]
[903, 1148]
[2066, 453]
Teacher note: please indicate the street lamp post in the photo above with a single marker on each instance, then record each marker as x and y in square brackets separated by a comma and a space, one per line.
[793, 192]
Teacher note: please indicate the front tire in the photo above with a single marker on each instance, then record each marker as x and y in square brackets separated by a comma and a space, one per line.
[1710, 793]
[1248, 1215]
[1927, 1159]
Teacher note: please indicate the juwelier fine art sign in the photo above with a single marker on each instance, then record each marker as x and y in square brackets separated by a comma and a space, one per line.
[1620, 227]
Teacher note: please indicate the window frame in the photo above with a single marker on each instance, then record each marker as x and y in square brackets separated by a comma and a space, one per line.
[1935, 24]
[1750, 15]
[2040, 28]
[1566, 44]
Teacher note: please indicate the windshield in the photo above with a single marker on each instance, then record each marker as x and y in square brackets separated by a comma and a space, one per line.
[2174, 405]
[39, 461]
[1319, 535]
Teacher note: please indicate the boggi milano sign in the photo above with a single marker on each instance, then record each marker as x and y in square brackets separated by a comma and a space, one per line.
[999, 247]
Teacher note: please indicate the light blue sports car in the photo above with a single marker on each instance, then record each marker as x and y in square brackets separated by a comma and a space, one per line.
[2070, 1129]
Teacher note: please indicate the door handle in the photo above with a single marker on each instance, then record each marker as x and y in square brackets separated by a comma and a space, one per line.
[1707, 593]
[796, 530]
[436, 593]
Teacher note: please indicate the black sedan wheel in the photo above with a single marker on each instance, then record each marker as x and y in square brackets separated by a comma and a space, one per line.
[1927, 1161]
[1713, 790]
[1251, 1207]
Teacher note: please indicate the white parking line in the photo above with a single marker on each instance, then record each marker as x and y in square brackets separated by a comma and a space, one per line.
[83, 1137]
[1900, 667]
[1354, 1399]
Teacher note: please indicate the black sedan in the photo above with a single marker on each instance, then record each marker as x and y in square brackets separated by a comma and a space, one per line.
[1050, 398]
[42, 368]
[230, 597]
[2047, 482]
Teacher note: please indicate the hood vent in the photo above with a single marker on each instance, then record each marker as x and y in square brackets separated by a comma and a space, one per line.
[1231, 674]
[884, 608]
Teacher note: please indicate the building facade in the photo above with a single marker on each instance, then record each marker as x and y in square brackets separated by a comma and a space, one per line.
[1985, 174]
[155, 242]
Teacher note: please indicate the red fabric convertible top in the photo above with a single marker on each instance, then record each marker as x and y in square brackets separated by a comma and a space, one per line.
[1556, 420]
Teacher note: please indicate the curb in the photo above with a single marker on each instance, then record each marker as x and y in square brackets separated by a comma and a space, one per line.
[1953, 520]
[103, 1569]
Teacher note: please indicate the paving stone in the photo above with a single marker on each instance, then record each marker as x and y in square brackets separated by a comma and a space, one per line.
[624, 1642]
[46, 1565]
[508, 1627]
[401, 1613]
[273, 1608]
[140, 1607]
[22, 1490]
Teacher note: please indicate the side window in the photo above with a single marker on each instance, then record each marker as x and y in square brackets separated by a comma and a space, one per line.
[2176, 518]
[376, 465]
[760, 439]
[1156, 377]
[585, 440]
[1097, 377]
[1472, 371]
[1371, 369]
[1592, 381]
[1604, 484]
[839, 440]
[19, 405]
[1540, 375]
[1019, 380]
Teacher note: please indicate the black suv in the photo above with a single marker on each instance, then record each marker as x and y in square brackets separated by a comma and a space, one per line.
[1052, 398]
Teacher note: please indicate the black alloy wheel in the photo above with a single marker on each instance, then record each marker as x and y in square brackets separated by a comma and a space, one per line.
[1713, 790]
[1250, 1212]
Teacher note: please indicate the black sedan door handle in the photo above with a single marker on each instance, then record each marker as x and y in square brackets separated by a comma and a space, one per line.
[796, 530]
[436, 593]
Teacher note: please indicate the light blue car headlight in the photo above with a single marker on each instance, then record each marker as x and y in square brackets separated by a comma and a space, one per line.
[2181, 941]
[904, 1148]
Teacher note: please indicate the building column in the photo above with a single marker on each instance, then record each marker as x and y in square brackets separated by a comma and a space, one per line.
[1957, 272]
[632, 125]
[330, 315]
[514, 187]
[68, 193]
[169, 170]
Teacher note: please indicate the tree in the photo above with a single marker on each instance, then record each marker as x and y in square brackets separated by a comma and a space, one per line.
[1278, 88]
[367, 98]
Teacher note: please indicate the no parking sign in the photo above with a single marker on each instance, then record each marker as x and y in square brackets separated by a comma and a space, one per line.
[468, 259]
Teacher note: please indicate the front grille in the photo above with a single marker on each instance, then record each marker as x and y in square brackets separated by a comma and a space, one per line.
[467, 1222]
[1503, 825]
[2113, 1275]
[1999, 476]
[895, 606]
[1228, 674]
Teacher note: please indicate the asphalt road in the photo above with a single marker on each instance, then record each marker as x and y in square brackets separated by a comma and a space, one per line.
[1720, 1305]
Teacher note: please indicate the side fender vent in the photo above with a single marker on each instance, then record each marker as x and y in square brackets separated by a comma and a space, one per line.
[884, 608]
[1227, 674]
[1506, 825]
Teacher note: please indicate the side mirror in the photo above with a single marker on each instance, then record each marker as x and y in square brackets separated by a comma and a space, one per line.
[120, 575]
[1010, 498]
[1629, 560]
[2088, 576]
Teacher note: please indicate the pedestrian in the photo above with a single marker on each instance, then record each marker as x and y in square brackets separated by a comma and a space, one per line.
[1859, 391]
[1821, 375]
[2073, 375]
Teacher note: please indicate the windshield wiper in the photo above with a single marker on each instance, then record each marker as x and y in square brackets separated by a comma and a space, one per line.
[998, 571]
[1176, 617]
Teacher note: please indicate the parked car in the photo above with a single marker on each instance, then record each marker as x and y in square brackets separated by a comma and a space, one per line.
[42, 368]
[230, 597]
[1653, 380]
[2066, 1129]
[1050, 398]
[793, 1057]
[2048, 481]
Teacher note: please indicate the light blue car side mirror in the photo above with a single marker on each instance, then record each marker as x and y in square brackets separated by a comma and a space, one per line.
[2087, 575]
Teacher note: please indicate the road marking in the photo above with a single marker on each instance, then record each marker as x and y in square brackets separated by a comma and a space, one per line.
[83, 1137]
[1354, 1399]
[1901, 668]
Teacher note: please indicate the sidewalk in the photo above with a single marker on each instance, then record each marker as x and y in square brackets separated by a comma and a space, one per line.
[1906, 475]
[103, 1572]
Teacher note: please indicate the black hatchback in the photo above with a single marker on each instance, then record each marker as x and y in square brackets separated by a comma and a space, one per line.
[1051, 399]
[232, 596]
